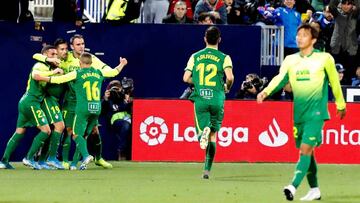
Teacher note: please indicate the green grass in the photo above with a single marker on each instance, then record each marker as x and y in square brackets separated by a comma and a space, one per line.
[173, 182]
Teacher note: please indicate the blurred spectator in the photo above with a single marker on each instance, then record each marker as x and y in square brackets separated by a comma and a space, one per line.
[9, 11]
[155, 10]
[344, 43]
[251, 86]
[189, 9]
[68, 11]
[233, 12]
[320, 41]
[122, 12]
[326, 21]
[318, 5]
[289, 18]
[303, 6]
[356, 80]
[117, 106]
[206, 19]
[340, 69]
[214, 7]
[178, 16]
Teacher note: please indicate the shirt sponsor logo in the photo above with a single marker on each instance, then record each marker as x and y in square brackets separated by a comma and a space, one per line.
[273, 137]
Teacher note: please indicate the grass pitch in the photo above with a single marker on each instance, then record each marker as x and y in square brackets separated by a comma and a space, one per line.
[174, 182]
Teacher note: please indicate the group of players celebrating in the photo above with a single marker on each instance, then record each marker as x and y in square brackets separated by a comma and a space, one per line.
[76, 76]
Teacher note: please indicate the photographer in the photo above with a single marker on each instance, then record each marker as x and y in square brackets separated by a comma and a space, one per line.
[117, 106]
[251, 86]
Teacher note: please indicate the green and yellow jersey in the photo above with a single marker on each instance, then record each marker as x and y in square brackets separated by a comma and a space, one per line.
[309, 77]
[87, 86]
[207, 67]
[35, 90]
[70, 64]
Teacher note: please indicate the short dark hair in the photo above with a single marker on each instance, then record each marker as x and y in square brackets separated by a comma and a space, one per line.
[347, 2]
[212, 35]
[86, 58]
[204, 15]
[307, 26]
[59, 41]
[46, 48]
[76, 36]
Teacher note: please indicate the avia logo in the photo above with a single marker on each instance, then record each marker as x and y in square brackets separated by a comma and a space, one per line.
[153, 130]
[273, 137]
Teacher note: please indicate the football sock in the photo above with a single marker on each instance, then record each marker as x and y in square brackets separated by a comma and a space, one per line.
[66, 147]
[11, 146]
[312, 173]
[210, 154]
[44, 152]
[81, 146]
[97, 146]
[54, 144]
[301, 170]
[36, 144]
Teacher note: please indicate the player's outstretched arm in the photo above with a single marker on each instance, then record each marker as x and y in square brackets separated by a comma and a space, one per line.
[112, 72]
[122, 64]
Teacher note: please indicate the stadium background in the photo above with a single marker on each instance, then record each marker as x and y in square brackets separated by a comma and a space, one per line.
[157, 56]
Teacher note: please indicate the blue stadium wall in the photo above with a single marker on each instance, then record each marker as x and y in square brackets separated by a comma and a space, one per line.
[157, 56]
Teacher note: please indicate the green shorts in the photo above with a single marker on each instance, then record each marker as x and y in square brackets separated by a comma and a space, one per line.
[30, 114]
[68, 118]
[52, 110]
[308, 132]
[84, 123]
[69, 113]
[210, 115]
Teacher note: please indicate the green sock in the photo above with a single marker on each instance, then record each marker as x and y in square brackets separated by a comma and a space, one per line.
[66, 147]
[36, 144]
[210, 154]
[301, 169]
[54, 144]
[44, 151]
[97, 146]
[11, 146]
[76, 157]
[81, 146]
[312, 173]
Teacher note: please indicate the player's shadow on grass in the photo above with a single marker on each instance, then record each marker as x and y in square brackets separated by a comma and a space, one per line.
[250, 178]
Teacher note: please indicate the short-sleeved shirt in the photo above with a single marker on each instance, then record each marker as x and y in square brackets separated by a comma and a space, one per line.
[207, 67]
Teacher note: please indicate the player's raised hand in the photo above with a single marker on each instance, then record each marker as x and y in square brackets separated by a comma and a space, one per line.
[341, 113]
[123, 61]
[261, 97]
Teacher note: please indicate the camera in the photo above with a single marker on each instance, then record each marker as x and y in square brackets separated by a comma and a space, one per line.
[127, 85]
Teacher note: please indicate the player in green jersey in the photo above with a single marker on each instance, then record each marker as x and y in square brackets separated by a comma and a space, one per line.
[87, 86]
[309, 73]
[71, 63]
[31, 114]
[206, 69]
[53, 113]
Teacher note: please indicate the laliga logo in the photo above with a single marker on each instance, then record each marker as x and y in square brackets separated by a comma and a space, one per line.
[275, 138]
[153, 130]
